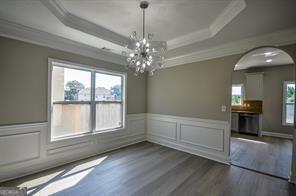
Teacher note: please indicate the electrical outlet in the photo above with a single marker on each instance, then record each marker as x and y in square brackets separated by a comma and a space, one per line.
[223, 108]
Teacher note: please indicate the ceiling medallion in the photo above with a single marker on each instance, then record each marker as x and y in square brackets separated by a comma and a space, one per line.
[147, 55]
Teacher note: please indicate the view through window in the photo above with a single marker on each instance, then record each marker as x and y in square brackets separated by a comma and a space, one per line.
[237, 94]
[288, 103]
[84, 100]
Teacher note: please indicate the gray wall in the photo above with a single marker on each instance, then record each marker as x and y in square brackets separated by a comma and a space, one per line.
[273, 80]
[196, 89]
[23, 81]
[193, 90]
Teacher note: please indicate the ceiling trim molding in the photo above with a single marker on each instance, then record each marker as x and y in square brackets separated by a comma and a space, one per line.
[78, 23]
[278, 38]
[227, 15]
[27, 34]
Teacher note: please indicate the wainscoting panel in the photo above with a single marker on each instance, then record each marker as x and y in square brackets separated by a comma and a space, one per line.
[161, 128]
[24, 149]
[207, 138]
[19, 147]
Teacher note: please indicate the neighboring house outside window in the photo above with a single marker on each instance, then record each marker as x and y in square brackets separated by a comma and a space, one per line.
[84, 100]
[237, 94]
[288, 103]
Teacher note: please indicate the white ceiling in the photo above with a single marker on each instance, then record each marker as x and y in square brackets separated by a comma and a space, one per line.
[187, 25]
[264, 57]
[167, 19]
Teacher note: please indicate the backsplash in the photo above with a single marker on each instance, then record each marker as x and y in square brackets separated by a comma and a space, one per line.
[249, 106]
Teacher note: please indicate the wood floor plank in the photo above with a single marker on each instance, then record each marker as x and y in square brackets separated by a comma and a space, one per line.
[265, 154]
[147, 169]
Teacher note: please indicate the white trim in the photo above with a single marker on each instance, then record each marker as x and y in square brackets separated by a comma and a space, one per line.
[279, 135]
[62, 152]
[217, 158]
[93, 70]
[278, 38]
[227, 15]
[80, 24]
[284, 123]
[27, 34]
[164, 116]
[202, 137]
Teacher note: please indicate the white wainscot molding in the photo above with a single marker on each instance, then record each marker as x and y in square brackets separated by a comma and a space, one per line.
[24, 149]
[202, 137]
[275, 134]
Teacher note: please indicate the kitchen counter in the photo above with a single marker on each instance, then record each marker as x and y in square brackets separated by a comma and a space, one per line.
[242, 111]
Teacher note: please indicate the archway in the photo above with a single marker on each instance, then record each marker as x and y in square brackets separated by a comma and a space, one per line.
[274, 118]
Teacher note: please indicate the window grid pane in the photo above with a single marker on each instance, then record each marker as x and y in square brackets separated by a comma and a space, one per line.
[236, 98]
[84, 101]
[108, 97]
[289, 113]
[70, 119]
[70, 84]
[108, 116]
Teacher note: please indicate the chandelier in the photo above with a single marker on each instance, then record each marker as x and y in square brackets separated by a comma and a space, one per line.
[147, 55]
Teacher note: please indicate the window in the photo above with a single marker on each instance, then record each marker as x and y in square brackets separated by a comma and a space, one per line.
[237, 94]
[84, 100]
[288, 103]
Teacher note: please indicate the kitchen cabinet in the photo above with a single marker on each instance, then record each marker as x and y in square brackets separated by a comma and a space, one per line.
[234, 121]
[254, 86]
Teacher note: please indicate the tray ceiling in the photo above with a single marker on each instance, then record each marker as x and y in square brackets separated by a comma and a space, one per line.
[188, 26]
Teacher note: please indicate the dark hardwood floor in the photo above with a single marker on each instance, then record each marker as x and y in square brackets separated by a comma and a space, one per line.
[265, 154]
[151, 169]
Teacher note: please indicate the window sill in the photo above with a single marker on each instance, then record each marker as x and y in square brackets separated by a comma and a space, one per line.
[288, 125]
[87, 134]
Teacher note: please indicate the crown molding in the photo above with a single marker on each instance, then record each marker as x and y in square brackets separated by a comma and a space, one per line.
[80, 24]
[227, 15]
[31, 35]
[278, 38]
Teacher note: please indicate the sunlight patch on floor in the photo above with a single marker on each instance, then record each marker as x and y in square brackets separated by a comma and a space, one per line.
[249, 140]
[61, 180]
[85, 166]
[62, 184]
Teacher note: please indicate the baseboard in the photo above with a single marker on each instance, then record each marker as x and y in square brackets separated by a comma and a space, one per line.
[292, 180]
[279, 135]
[220, 159]
[202, 137]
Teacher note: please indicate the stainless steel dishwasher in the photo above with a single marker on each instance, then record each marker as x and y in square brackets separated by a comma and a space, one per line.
[249, 123]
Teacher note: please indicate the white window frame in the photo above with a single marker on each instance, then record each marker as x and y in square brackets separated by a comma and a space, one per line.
[242, 94]
[93, 102]
[284, 104]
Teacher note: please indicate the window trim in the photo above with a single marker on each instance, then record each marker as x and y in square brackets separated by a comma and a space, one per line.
[92, 102]
[242, 93]
[284, 123]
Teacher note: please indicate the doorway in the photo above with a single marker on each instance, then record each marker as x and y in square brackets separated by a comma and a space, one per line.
[262, 112]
